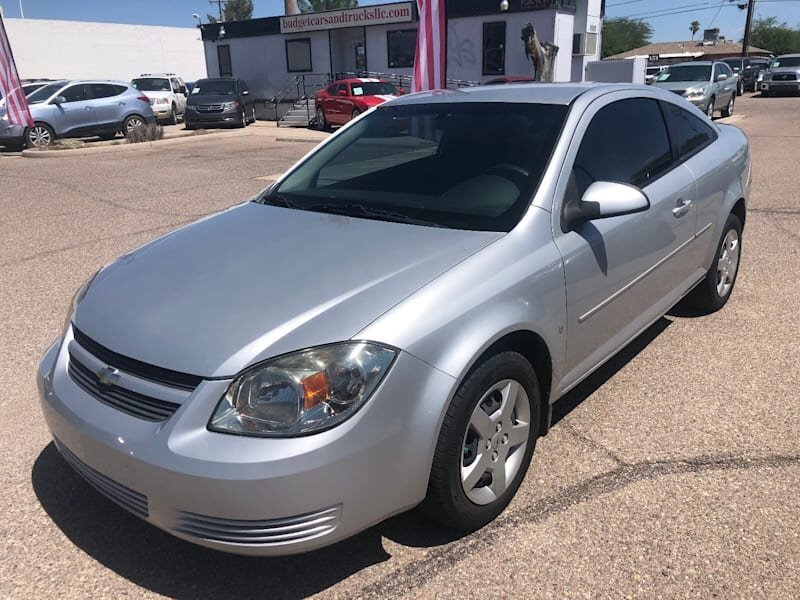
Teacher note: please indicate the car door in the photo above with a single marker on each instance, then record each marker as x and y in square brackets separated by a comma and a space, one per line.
[107, 106]
[623, 272]
[75, 115]
[244, 94]
[334, 113]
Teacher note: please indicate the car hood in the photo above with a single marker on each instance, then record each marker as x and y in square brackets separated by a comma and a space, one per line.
[375, 100]
[679, 85]
[785, 70]
[159, 94]
[211, 98]
[257, 281]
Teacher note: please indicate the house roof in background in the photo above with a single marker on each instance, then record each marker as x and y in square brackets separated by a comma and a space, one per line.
[692, 50]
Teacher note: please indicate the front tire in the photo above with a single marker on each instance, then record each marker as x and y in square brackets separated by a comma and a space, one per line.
[485, 444]
[40, 135]
[716, 288]
[322, 123]
[243, 121]
[173, 116]
[710, 108]
[728, 110]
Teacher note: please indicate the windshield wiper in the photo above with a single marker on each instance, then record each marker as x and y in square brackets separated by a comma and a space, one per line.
[276, 200]
[359, 210]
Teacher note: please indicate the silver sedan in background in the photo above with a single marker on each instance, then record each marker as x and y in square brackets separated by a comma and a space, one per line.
[390, 323]
[709, 85]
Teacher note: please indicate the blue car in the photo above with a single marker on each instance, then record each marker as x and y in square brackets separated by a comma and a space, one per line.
[78, 109]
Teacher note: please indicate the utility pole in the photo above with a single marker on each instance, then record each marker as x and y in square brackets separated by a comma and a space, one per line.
[219, 3]
[748, 26]
[21, 12]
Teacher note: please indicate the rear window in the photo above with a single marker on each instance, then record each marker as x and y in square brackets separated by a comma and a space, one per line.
[152, 84]
[464, 166]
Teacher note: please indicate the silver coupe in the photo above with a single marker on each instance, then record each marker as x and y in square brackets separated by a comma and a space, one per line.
[390, 324]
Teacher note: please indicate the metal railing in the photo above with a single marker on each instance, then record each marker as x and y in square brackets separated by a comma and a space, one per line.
[299, 88]
[403, 81]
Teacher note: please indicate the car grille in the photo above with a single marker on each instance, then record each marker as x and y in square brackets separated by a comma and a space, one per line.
[209, 107]
[259, 533]
[127, 498]
[128, 401]
[784, 77]
[182, 381]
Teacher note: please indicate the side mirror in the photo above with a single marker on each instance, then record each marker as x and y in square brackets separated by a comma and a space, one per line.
[722, 77]
[245, 93]
[58, 100]
[605, 199]
[342, 93]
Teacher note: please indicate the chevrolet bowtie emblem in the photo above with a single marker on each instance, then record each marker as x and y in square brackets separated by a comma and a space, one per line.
[108, 376]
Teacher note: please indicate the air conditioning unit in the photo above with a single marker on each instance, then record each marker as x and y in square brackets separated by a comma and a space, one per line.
[584, 44]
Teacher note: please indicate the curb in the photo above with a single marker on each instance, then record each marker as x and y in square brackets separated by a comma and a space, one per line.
[299, 139]
[125, 147]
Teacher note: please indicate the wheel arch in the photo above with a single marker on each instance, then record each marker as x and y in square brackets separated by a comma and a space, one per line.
[740, 210]
[534, 349]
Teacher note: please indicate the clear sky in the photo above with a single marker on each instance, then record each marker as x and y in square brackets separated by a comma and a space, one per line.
[670, 18]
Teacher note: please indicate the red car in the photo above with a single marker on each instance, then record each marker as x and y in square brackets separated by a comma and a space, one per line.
[345, 99]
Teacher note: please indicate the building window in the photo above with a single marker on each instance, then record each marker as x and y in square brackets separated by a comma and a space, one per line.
[298, 55]
[494, 48]
[401, 47]
[224, 58]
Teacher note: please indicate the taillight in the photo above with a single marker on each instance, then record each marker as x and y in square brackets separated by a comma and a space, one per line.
[144, 99]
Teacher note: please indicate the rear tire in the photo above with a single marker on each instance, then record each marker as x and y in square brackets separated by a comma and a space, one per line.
[322, 123]
[131, 123]
[714, 291]
[485, 443]
[356, 112]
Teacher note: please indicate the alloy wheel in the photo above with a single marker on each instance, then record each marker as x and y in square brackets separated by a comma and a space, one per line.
[321, 124]
[495, 441]
[728, 263]
[710, 109]
[39, 136]
[133, 123]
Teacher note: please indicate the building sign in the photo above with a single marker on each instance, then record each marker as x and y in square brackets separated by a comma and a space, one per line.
[352, 17]
[653, 58]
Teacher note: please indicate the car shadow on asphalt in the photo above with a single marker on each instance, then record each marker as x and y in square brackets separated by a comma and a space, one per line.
[157, 561]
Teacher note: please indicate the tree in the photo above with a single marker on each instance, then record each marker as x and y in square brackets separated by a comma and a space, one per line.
[623, 34]
[776, 37]
[238, 10]
[694, 27]
[320, 5]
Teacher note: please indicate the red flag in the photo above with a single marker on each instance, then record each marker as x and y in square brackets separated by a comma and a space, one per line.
[10, 87]
[430, 59]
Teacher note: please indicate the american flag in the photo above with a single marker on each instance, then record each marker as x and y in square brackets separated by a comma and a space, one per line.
[10, 87]
[430, 60]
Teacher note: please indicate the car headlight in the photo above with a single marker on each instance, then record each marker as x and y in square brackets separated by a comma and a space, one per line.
[696, 92]
[303, 392]
[230, 105]
[162, 100]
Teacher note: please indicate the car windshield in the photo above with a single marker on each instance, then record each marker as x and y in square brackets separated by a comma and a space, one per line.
[469, 166]
[786, 61]
[686, 73]
[152, 84]
[373, 88]
[44, 92]
[215, 87]
[734, 63]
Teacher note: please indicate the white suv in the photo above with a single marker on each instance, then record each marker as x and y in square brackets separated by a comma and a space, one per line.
[167, 93]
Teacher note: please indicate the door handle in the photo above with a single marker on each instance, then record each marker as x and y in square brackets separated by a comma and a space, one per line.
[87, 108]
[682, 207]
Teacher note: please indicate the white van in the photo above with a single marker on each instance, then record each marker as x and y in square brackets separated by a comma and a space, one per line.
[167, 93]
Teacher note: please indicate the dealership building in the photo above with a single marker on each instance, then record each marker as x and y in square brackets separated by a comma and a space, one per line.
[483, 42]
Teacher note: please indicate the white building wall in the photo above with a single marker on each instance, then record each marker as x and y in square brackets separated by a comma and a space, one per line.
[81, 50]
[261, 60]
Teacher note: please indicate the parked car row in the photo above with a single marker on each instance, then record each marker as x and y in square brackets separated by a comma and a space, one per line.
[65, 108]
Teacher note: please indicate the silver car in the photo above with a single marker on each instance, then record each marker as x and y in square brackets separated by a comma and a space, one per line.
[78, 109]
[783, 76]
[709, 85]
[390, 324]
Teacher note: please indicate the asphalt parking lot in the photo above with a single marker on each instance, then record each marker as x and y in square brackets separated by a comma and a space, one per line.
[673, 471]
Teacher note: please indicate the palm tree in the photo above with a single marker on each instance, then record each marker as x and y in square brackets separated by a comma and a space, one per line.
[694, 28]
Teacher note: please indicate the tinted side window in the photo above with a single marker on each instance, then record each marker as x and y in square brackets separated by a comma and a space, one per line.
[105, 90]
[626, 142]
[690, 134]
[76, 93]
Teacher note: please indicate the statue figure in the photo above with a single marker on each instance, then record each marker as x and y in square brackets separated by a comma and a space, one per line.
[543, 54]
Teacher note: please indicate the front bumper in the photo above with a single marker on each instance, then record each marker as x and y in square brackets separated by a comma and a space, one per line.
[780, 86]
[253, 495]
[229, 117]
[700, 102]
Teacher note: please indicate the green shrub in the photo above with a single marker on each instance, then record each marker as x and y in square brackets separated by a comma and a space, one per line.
[145, 133]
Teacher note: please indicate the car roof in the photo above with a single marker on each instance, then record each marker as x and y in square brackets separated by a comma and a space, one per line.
[702, 63]
[358, 80]
[534, 93]
[792, 55]
[217, 79]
